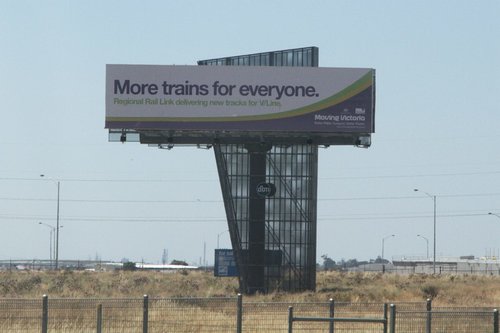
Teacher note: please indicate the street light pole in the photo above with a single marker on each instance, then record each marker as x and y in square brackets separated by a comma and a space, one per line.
[490, 213]
[218, 236]
[433, 197]
[427, 243]
[57, 224]
[52, 229]
[383, 244]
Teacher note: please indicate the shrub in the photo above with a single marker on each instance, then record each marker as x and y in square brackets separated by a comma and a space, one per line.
[430, 291]
[129, 266]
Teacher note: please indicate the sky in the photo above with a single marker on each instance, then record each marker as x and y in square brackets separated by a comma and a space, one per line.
[437, 126]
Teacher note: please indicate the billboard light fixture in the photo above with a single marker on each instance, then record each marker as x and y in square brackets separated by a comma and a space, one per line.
[207, 147]
[167, 146]
[364, 141]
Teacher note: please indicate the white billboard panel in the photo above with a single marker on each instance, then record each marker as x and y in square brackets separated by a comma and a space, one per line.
[233, 98]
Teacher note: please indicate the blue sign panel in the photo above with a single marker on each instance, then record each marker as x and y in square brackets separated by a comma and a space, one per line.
[225, 265]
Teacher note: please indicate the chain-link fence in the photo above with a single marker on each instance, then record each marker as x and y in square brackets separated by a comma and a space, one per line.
[234, 314]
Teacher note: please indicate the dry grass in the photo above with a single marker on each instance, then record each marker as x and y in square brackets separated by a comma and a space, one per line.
[456, 290]
[117, 284]
[73, 298]
[453, 290]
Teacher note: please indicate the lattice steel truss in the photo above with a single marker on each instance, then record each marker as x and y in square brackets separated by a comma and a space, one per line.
[274, 237]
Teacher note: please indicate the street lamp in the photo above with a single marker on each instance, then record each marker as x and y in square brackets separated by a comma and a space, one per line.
[427, 242]
[218, 236]
[52, 230]
[433, 197]
[383, 244]
[490, 213]
[57, 224]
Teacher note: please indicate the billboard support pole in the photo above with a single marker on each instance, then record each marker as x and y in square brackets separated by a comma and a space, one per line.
[256, 218]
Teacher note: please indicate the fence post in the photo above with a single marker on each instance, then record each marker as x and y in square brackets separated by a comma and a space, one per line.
[45, 313]
[332, 314]
[385, 317]
[495, 321]
[239, 314]
[392, 325]
[145, 314]
[290, 319]
[428, 324]
[99, 318]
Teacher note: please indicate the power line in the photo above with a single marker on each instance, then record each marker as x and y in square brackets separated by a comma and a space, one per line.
[415, 175]
[400, 217]
[103, 180]
[477, 173]
[110, 200]
[223, 219]
[413, 197]
[116, 219]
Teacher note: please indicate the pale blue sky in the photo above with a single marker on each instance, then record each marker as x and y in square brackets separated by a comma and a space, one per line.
[437, 125]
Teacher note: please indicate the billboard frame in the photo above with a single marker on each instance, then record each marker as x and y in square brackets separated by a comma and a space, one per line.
[270, 129]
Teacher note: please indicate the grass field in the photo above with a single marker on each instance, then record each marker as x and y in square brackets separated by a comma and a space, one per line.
[453, 290]
[74, 296]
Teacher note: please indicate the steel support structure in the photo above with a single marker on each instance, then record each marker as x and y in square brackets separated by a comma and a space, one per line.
[273, 237]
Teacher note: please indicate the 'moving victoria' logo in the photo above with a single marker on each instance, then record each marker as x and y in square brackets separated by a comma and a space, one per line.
[345, 116]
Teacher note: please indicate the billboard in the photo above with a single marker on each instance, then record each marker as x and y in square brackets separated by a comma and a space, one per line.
[240, 98]
[225, 265]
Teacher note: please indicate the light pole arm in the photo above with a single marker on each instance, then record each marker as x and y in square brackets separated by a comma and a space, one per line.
[490, 213]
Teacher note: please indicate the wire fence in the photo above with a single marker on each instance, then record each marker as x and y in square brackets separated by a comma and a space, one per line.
[233, 314]
[447, 321]
[479, 269]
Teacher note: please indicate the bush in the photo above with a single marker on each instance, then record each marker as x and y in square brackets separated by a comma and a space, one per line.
[129, 266]
[430, 291]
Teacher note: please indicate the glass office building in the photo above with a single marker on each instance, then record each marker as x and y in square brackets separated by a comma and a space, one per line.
[270, 197]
